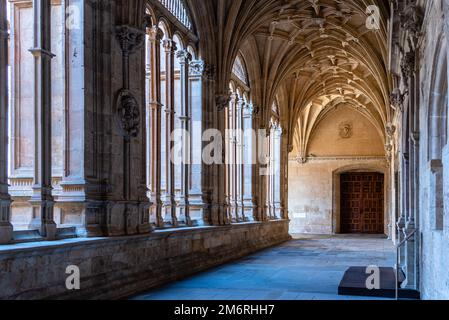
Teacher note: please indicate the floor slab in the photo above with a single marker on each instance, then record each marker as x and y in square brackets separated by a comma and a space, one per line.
[305, 268]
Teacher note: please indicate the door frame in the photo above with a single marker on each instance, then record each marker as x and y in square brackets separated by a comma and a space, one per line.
[336, 192]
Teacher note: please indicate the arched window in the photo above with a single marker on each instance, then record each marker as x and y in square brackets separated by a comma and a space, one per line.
[169, 125]
[240, 147]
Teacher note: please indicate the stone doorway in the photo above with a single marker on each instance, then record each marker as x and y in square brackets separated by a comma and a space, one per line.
[362, 203]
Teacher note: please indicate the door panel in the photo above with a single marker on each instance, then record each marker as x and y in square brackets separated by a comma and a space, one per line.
[362, 203]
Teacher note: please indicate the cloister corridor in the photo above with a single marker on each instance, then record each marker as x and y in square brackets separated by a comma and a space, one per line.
[305, 268]
[224, 149]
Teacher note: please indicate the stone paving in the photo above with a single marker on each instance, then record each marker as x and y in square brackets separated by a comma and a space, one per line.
[305, 268]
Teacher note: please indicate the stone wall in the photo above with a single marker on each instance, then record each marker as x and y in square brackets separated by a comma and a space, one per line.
[119, 267]
[332, 150]
[434, 156]
[313, 188]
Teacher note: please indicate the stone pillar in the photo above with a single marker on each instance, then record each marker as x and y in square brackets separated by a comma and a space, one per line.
[249, 146]
[277, 173]
[129, 117]
[42, 199]
[411, 256]
[232, 177]
[263, 141]
[6, 227]
[184, 58]
[219, 205]
[155, 35]
[271, 176]
[239, 159]
[169, 197]
[197, 79]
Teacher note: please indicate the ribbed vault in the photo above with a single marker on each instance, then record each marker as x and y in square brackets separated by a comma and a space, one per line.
[310, 55]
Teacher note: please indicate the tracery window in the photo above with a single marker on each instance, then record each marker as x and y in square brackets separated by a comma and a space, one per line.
[240, 147]
[173, 91]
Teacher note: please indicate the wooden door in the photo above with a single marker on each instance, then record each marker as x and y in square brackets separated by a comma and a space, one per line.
[362, 203]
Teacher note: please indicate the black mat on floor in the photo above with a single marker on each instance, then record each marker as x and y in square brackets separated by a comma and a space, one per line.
[354, 284]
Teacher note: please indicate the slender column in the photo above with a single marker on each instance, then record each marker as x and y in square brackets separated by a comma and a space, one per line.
[227, 164]
[169, 199]
[42, 199]
[239, 157]
[277, 173]
[155, 35]
[184, 58]
[263, 141]
[232, 158]
[248, 156]
[6, 227]
[270, 198]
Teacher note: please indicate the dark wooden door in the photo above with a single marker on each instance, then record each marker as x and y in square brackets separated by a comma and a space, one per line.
[362, 203]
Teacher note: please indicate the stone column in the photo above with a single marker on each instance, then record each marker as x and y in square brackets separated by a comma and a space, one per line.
[129, 113]
[411, 257]
[249, 202]
[155, 35]
[184, 58]
[197, 78]
[6, 227]
[219, 204]
[271, 176]
[277, 173]
[169, 198]
[232, 177]
[42, 199]
[263, 141]
[239, 159]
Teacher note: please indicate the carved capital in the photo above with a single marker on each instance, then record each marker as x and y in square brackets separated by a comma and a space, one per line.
[411, 20]
[222, 101]
[183, 56]
[408, 64]
[397, 99]
[155, 34]
[169, 46]
[130, 39]
[197, 68]
[390, 129]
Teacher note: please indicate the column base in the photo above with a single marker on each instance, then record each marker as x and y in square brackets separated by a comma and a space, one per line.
[169, 215]
[49, 230]
[6, 232]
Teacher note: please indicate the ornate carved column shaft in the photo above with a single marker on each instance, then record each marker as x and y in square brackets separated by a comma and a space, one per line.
[184, 60]
[169, 199]
[129, 118]
[42, 199]
[5, 200]
[155, 36]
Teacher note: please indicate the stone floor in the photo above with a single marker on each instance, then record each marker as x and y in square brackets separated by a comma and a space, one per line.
[306, 268]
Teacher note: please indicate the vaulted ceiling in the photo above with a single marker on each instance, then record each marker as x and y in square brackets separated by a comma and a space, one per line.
[310, 55]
